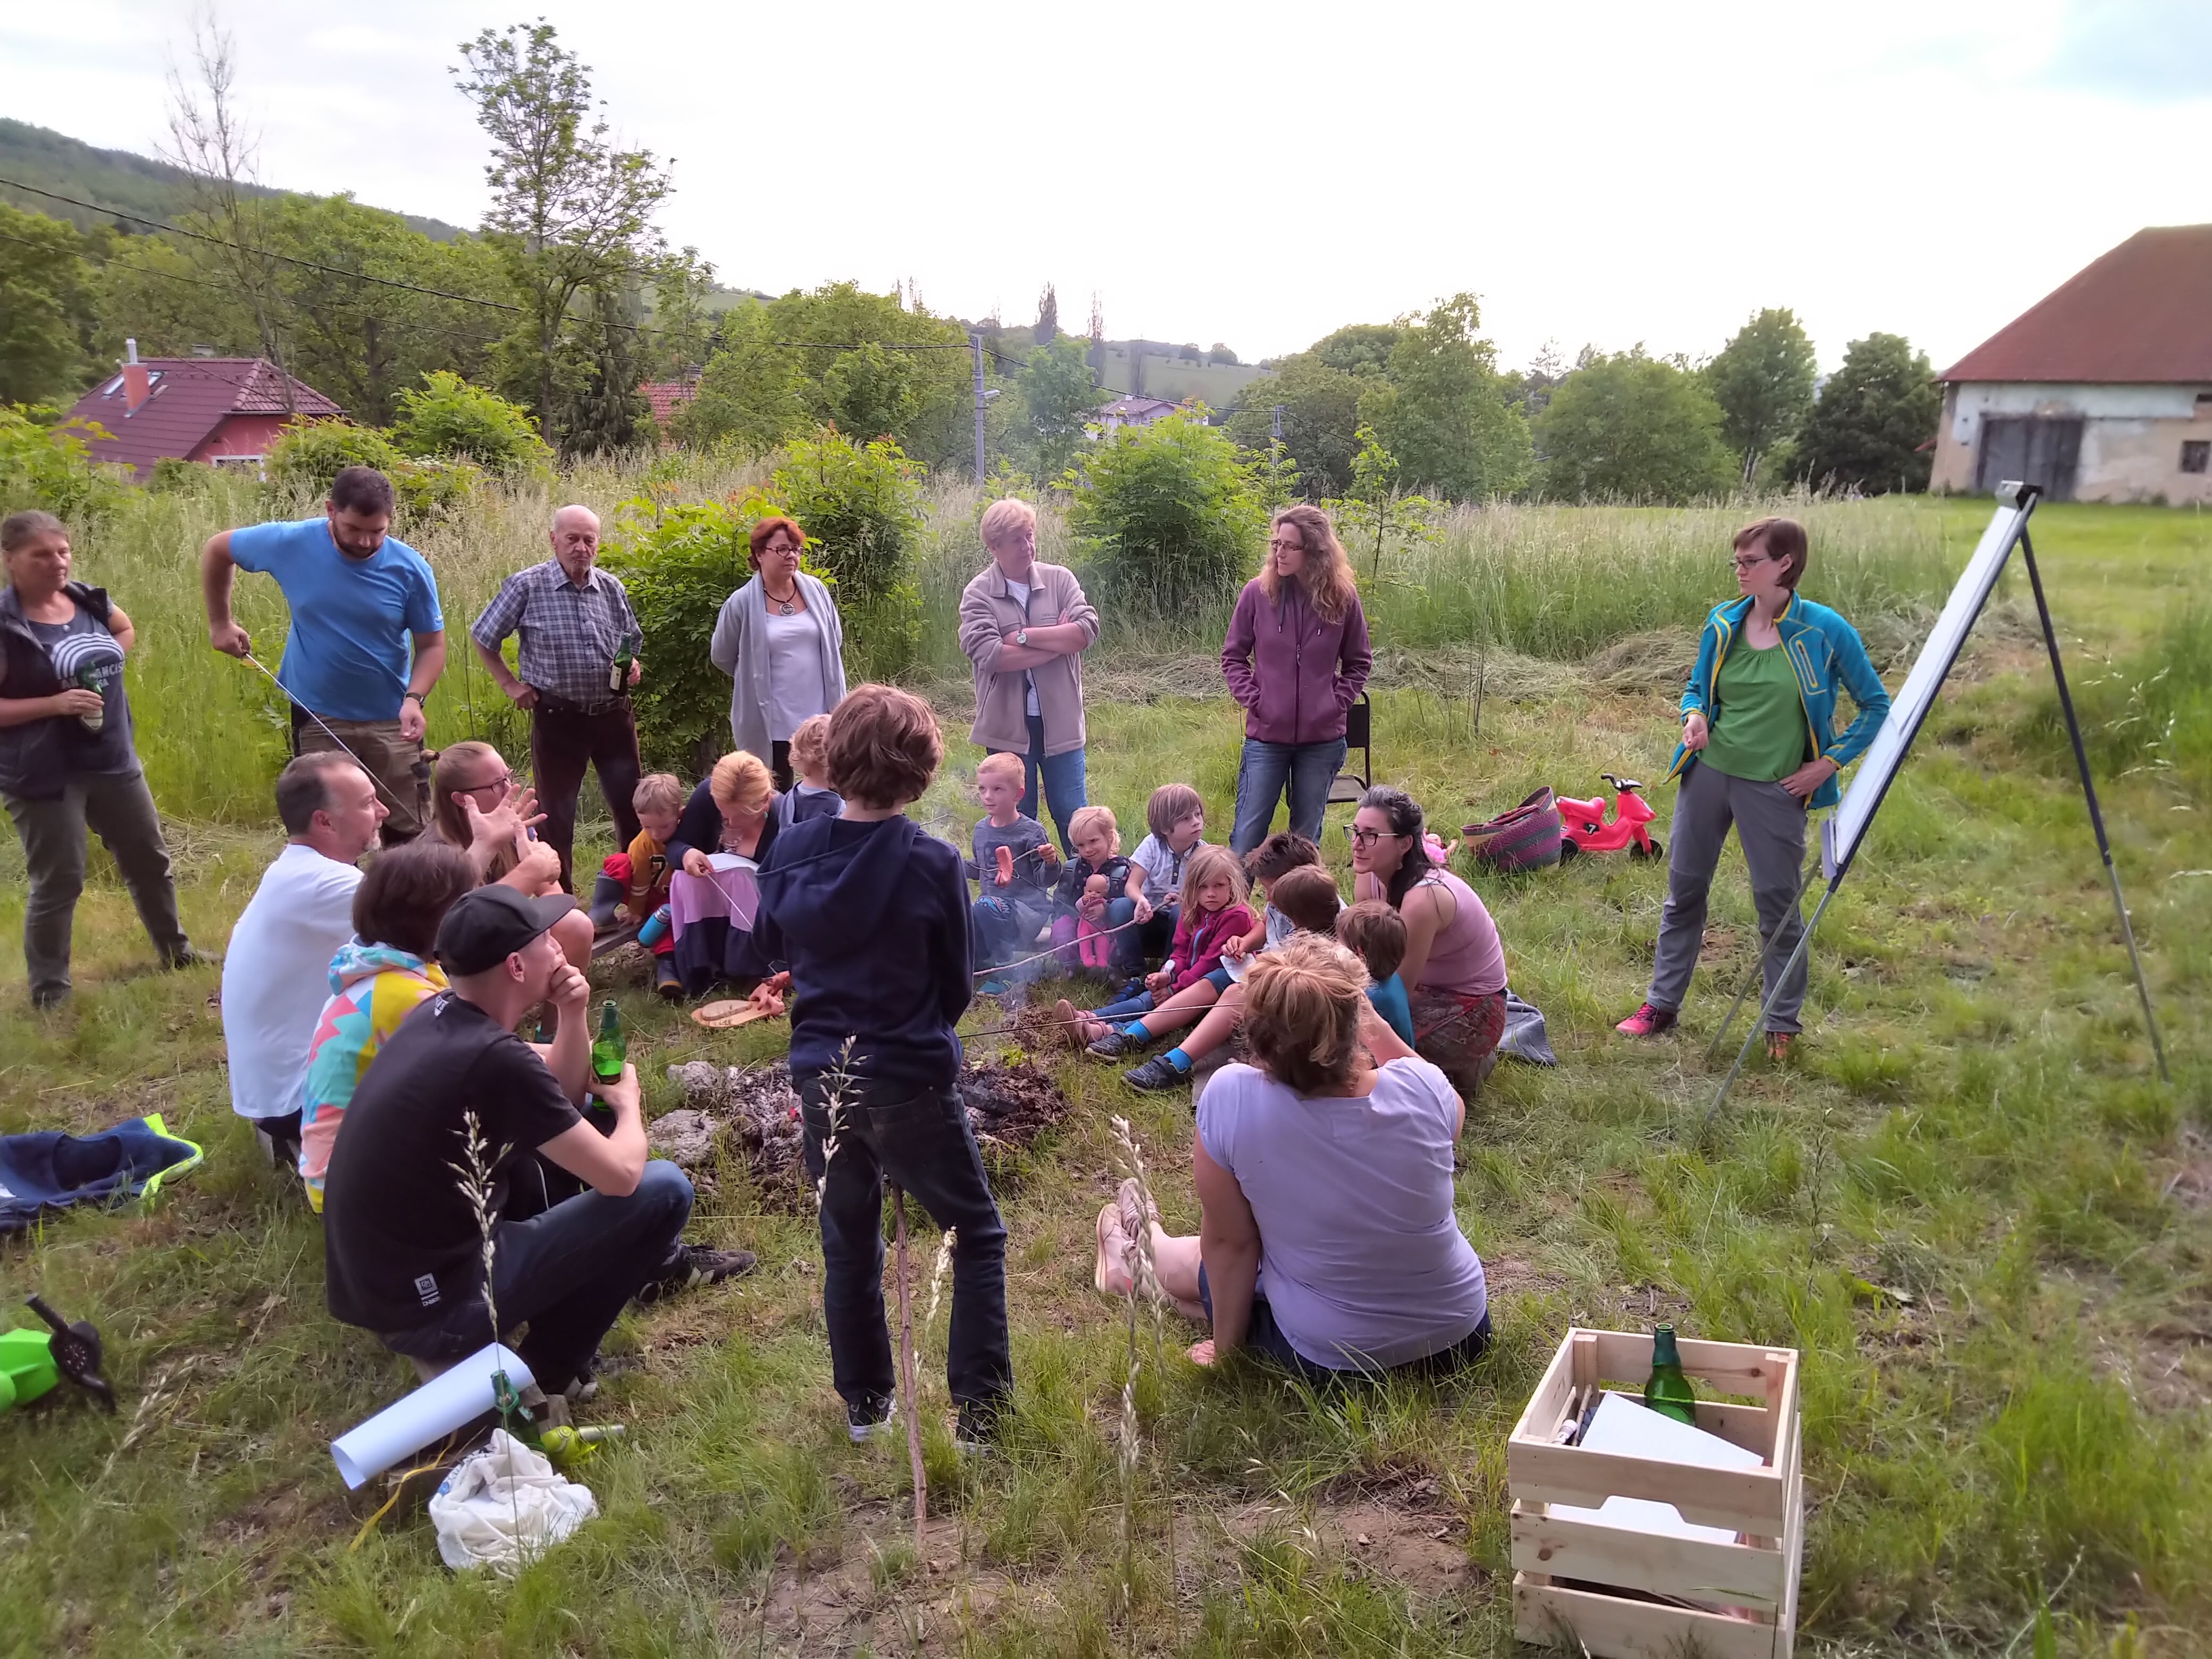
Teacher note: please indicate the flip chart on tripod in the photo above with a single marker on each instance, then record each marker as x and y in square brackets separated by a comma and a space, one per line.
[1841, 834]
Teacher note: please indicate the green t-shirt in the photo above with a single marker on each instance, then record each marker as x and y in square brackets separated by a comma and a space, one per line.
[1760, 733]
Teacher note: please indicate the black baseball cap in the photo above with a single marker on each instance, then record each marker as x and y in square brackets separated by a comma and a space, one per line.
[487, 925]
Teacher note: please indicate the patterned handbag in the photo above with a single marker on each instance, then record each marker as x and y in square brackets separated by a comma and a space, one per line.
[1526, 838]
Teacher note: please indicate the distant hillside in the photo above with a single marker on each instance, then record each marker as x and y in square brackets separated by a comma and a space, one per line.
[113, 177]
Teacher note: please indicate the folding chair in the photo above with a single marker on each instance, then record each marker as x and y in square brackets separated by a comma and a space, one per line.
[1350, 786]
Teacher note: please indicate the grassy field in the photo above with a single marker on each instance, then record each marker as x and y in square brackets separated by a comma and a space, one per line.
[1968, 1201]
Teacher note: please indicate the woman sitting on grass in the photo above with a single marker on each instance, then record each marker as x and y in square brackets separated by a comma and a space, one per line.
[1332, 1266]
[732, 811]
[377, 979]
[1454, 968]
[477, 806]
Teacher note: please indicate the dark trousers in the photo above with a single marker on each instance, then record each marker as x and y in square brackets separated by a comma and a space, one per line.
[921, 1141]
[563, 741]
[1770, 824]
[779, 764]
[567, 1271]
[119, 809]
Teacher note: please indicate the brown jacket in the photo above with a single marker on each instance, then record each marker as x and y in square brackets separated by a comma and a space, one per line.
[988, 618]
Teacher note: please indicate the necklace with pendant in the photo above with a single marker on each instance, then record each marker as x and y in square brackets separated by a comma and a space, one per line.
[788, 607]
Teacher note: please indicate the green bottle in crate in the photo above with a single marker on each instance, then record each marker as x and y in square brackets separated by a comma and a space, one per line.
[1667, 1391]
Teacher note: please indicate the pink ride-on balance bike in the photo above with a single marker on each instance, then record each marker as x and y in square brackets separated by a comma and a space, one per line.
[1583, 827]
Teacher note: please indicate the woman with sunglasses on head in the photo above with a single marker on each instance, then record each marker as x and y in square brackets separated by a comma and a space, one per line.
[1758, 752]
[1296, 659]
[476, 806]
[779, 640]
[1454, 968]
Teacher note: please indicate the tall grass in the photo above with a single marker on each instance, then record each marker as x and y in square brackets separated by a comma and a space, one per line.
[1544, 582]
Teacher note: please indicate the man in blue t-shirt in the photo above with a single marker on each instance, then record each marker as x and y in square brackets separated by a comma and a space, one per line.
[360, 600]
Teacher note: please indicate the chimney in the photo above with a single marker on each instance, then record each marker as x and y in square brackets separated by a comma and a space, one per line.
[136, 387]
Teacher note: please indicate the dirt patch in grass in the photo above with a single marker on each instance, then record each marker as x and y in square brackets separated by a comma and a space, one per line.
[1405, 1531]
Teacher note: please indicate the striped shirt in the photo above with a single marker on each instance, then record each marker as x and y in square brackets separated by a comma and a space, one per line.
[571, 636]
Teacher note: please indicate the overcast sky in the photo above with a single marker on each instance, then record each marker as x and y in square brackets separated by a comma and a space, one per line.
[1598, 171]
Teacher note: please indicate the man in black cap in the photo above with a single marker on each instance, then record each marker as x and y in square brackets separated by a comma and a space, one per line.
[405, 1253]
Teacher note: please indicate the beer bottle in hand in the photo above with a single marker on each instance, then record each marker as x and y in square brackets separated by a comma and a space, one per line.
[609, 1049]
[1667, 1391]
[618, 676]
[89, 679]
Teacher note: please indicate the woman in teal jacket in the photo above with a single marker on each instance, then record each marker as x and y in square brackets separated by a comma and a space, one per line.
[1759, 750]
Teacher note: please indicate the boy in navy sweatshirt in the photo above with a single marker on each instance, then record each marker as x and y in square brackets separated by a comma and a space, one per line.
[870, 913]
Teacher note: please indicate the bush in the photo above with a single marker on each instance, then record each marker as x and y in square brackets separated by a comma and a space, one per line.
[45, 465]
[451, 420]
[1171, 513]
[1631, 427]
[679, 564]
[859, 505]
[308, 455]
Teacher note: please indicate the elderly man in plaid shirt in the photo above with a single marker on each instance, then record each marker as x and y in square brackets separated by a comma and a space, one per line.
[577, 628]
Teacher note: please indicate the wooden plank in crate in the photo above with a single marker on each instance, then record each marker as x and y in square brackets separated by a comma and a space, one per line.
[1701, 1569]
[1742, 1500]
[1723, 1367]
[1552, 1615]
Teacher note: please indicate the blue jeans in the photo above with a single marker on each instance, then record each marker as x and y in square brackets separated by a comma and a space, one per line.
[919, 1140]
[1128, 1008]
[1064, 789]
[567, 1270]
[1307, 768]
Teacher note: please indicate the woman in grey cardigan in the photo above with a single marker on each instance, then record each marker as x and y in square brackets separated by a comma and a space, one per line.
[780, 639]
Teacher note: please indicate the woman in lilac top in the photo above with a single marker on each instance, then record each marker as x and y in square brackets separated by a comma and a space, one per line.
[1455, 964]
[1295, 658]
[1327, 1263]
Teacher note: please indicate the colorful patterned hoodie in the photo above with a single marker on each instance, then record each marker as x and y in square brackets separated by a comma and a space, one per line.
[372, 988]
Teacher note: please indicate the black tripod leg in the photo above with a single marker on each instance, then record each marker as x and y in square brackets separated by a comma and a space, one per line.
[2089, 794]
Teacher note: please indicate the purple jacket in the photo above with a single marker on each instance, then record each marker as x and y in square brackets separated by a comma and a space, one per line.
[1293, 674]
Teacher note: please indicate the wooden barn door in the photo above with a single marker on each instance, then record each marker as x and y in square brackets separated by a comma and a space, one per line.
[2035, 450]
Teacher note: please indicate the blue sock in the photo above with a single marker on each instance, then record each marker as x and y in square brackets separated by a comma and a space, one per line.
[1136, 1029]
[1179, 1060]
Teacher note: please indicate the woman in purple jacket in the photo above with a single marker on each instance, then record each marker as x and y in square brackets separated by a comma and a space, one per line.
[1294, 660]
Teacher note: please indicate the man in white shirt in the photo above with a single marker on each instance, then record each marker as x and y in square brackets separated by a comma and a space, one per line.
[276, 976]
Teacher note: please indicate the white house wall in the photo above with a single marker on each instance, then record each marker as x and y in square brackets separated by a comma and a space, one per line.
[2131, 436]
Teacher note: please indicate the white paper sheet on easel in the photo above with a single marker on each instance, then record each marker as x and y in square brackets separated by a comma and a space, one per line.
[1634, 1429]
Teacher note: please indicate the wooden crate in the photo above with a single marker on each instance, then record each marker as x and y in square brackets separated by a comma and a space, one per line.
[1756, 1575]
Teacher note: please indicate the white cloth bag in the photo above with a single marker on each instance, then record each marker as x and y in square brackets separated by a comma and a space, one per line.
[505, 1504]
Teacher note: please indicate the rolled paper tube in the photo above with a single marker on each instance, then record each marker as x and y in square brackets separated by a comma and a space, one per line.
[428, 1415]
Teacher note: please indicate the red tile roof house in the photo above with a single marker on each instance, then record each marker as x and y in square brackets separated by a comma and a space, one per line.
[226, 411]
[666, 396]
[2102, 391]
[1132, 410]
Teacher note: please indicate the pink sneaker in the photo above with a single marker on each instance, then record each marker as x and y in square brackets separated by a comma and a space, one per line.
[1647, 1021]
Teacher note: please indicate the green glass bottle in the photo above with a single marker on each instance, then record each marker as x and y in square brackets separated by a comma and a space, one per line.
[89, 679]
[1667, 1391]
[610, 1049]
[618, 676]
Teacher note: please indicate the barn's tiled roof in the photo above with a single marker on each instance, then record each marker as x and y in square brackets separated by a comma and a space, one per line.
[2141, 313]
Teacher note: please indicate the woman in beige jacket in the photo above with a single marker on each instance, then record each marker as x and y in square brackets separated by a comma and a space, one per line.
[1025, 626]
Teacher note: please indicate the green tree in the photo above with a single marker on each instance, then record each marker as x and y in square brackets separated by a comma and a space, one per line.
[1320, 418]
[1632, 427]
[47, 465]
[606, 414]
[1873, 416]
[1047, 322]
[752, 393]
[447, 418]
[1170, 513]
[1221, 353]
[571, 214]
[1442, 409]
[46, 310]
[1763, 381]
[1059, 397]
[859, 504]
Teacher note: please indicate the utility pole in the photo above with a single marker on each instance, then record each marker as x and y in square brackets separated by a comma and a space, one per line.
[1279, 423]
[976, 341]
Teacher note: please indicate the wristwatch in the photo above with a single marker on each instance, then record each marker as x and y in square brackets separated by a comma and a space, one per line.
[1021, 637]
[421, 697]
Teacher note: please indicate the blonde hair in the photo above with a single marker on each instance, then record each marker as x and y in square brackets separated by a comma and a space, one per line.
[1002, 518]
[810, 743]
[658, 792]
[1327, 575]
[742, 781]
[449, 822]
[1207, 862]
[1084, 820]
[1171, 803]
[1000, 765]
[1302, 1003]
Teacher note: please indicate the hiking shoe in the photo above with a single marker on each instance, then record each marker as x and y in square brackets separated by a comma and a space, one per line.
[190, 956]
[695, 1265]
[994, 987]
[1157, 1073]
[1109, 1274]
[872, 1417]
[1116, 1043]
[1778, 1045]
[976, 1431]
[1647, 1021]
